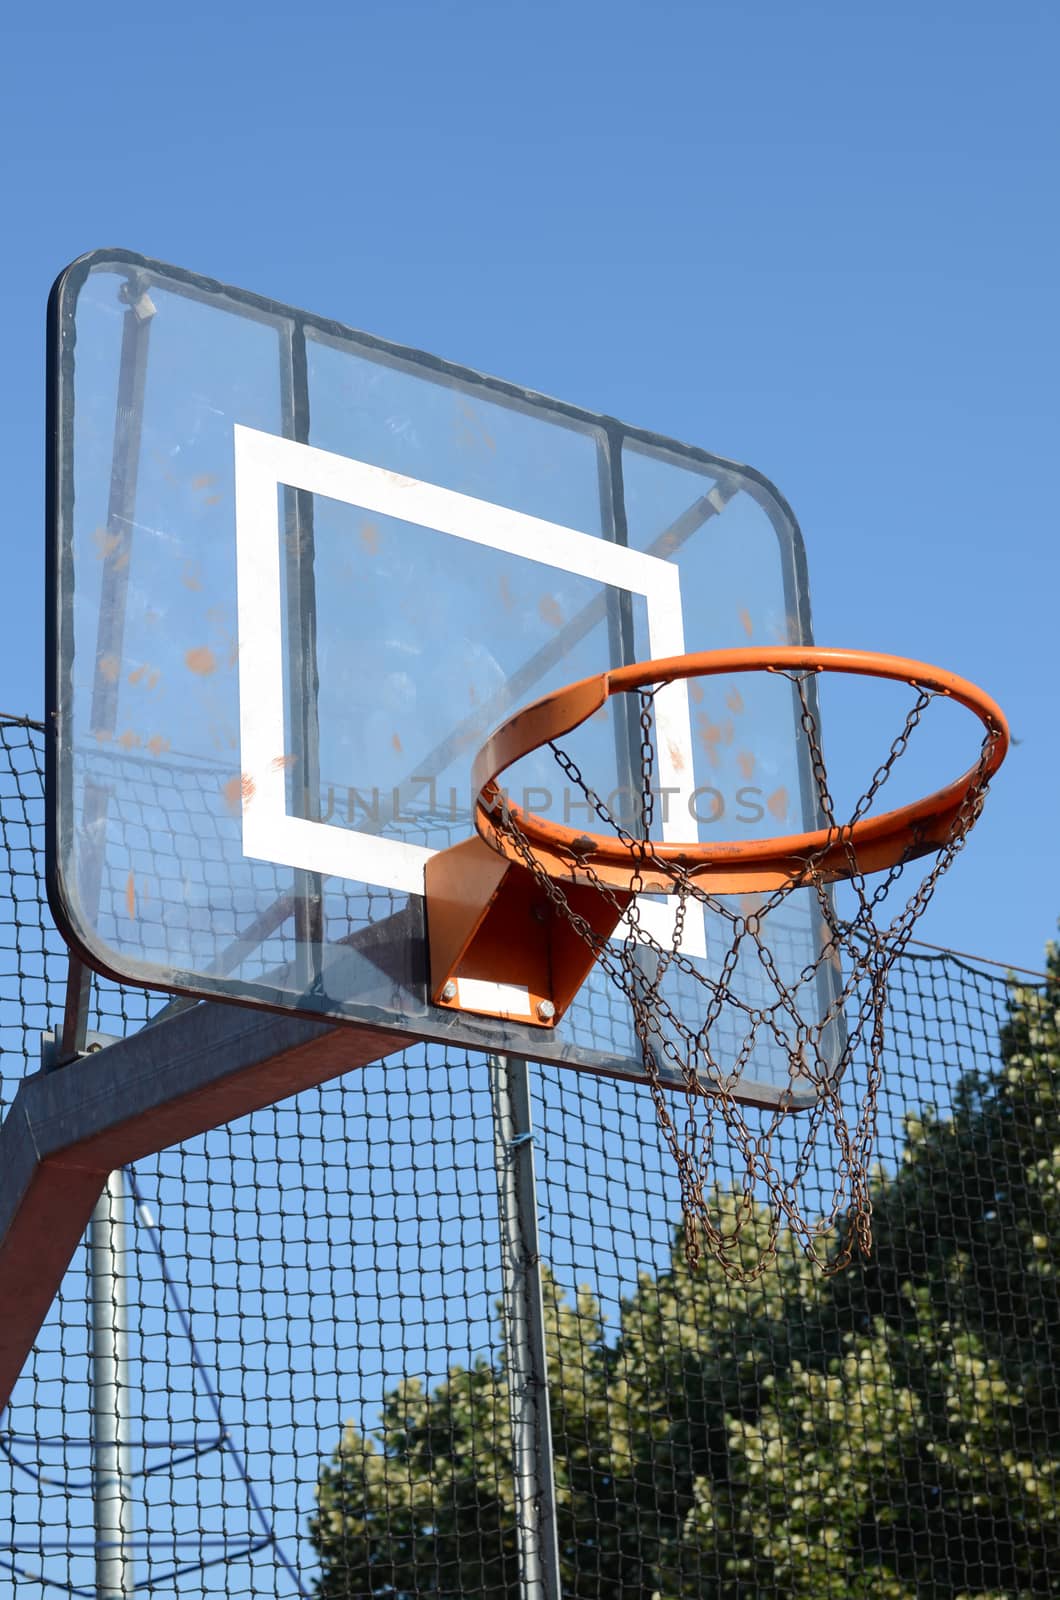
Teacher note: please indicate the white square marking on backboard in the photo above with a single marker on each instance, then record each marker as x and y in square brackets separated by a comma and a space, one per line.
[264, 462]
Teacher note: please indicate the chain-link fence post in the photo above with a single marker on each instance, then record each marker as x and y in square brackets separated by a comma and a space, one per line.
[524, 1331]
[111, 1478]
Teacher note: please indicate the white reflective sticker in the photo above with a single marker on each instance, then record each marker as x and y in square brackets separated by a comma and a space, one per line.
[497, 999]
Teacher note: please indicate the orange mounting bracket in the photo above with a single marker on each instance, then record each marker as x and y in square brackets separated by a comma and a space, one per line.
[497, 944]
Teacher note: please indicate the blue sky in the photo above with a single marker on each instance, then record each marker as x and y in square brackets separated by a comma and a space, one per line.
[821, 238]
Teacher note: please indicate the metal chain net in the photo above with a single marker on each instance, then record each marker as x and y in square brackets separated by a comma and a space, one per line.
[861, 948]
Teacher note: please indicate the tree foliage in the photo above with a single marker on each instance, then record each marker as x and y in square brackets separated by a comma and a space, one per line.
[891, 1433]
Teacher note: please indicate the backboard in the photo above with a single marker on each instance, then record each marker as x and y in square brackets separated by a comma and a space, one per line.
[297, 574]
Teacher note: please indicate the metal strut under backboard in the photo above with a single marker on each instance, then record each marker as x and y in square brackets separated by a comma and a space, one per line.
[297, 574]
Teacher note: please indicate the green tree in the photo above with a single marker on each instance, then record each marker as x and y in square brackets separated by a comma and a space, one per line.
[912, 1445]
[890, 1433]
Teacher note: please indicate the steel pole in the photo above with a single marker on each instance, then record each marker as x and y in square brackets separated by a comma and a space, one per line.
[111, 1478]
[533, 1468]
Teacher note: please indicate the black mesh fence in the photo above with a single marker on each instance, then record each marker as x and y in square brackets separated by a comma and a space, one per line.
[277, 1366]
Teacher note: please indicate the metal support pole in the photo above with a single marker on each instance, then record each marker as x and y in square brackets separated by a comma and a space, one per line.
[524, 1331]
[111, 1480]
[303, 687]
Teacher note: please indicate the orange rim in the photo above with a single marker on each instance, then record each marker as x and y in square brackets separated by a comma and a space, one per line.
[733, 866]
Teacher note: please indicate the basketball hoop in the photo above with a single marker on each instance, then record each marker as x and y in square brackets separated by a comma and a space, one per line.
[480, 895]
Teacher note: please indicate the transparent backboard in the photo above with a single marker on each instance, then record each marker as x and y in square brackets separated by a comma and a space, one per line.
[297, 575]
